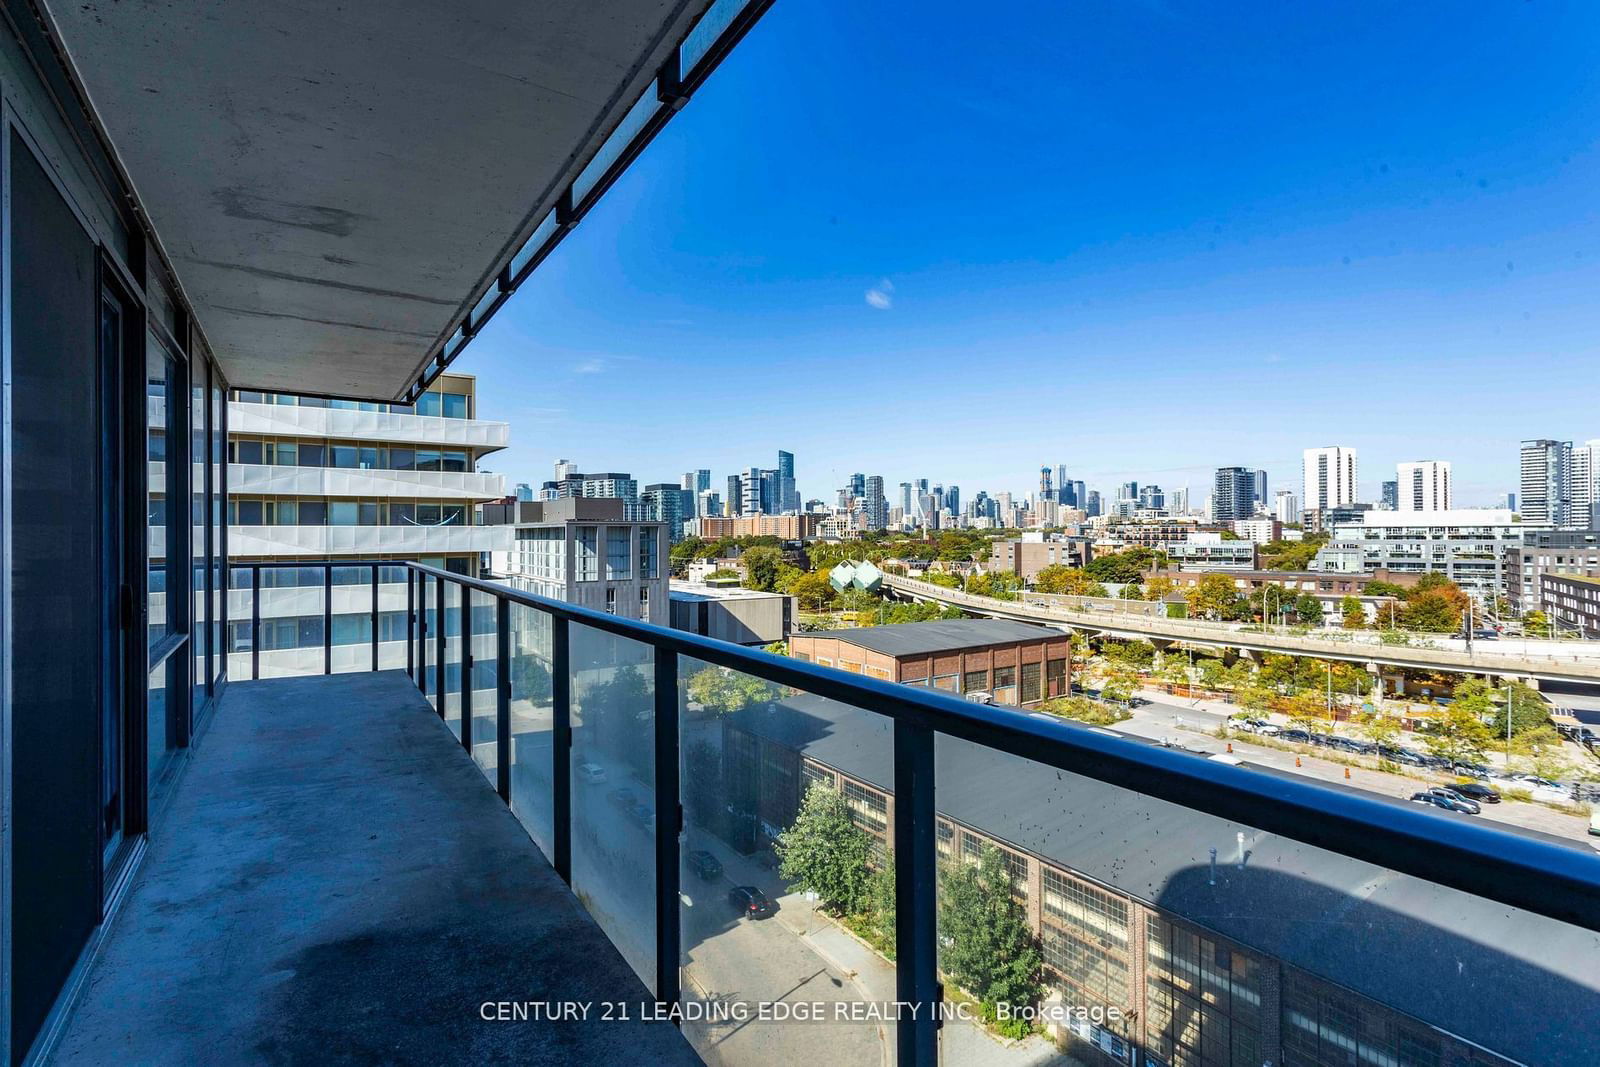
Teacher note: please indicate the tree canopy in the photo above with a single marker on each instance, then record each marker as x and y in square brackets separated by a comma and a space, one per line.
[824, 852]
[985, 943]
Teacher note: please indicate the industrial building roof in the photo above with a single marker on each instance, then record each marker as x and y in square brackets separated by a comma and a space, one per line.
[1432, 952]
[942, 635]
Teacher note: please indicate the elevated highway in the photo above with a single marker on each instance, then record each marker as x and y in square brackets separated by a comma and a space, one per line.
[1581, 664]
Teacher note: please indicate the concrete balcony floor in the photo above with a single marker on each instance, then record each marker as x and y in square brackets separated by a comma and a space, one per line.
[335, 881]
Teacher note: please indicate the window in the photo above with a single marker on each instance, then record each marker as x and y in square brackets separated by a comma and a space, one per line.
[1030, 682]
[246, 452]
[342, 456]
[611, 601]
[454, 405]
[1055, 677]
[644, 602]
[648, 552]
[588, 550]
[286, 454]
[342, 513]
[313, 455]
[619, 553]
[429, 403]
[313, 513]
[868, 809]
[975, 681]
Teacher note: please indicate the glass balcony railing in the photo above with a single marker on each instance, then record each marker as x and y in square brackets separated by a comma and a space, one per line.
[805, 864]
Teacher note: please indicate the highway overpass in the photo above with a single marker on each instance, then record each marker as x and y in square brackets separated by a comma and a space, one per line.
[1579, 662]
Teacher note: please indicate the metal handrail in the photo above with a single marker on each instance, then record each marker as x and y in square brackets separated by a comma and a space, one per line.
[1557, 882]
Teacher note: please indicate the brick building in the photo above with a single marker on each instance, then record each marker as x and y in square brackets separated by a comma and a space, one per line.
[1218, 945]
[1017, 662]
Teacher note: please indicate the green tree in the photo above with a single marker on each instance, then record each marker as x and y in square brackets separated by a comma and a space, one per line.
[1536, 624]
[723, 691]
[1119, 684]
[948, 581]
[824, 852]
[1486, 700]
[1291, 555]
[1129, 565]
[1352, 616]
[1432, 611]
[812, 589]
[1073, 581]
[1308, 609]
[986, 946]
[1458, 735]
[1380, 729]
[1158, 586]
[1213, 597]
[761, 567]
[879, 905]
[1382, 588]
[998, 585]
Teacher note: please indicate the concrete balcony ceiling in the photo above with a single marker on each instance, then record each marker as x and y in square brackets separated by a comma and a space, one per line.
[334, 184]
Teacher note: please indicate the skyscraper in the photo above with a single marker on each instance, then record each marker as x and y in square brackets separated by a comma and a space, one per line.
[1584, 486]
[1080, 495]
[1423, 485]
[952, 499]
[1330, 478]
[1391, 496]
[874, 505]
[735, 497]
[1233, 495]
[1128, 491]
[1092, 503]
[1260, 490]
[1045, 491]
[702, 480]
[786, 497]
[1546, 481]
[905, 500]
[1285, 508]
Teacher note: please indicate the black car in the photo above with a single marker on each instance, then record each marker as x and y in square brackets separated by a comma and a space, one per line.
[1447, 799]
[1477, 791]
[705, 865]
[748, 900]
[1295, 735]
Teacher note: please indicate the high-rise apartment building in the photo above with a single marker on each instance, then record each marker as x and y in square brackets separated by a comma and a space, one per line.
[1259, 490]
[667, 504]
[735, 497]
[312, 478]
[1423, 485]
[1330, 478]
[1285, 506]
[584, 551]
[1390, 500]
[786, 496]
[874, 504]
[1546, 481]
[1584, 486]
[1046, 492]
[1233, 494]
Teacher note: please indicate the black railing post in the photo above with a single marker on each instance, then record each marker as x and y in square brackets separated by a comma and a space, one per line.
[327, 619]
[439, 628]
[422, 633]
[255, 621]
[669, 825]
[374, 616]
[466, 668]
[502, 697]
[411, 621]
[916, 892]
[561, 745]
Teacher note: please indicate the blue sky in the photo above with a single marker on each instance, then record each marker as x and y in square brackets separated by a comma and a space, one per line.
[1140, 239]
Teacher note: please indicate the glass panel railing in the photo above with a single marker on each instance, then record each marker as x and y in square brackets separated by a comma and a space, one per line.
[485, 698]
[291, 621]
[352, 619]
[240, 635]
[787, 902]
[1083, 917]
[430, 640]
[613, 790]
[533, 725]
[452, 657]
[392, 618]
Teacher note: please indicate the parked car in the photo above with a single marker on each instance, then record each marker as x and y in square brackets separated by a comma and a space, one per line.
[1477, 792]
[1401, 755]
[1267, 729]
[706, 866]
[748, 900]
[591, 773]
[1451, 800]
[622, 799]
[1533, 781]
[1300, 736]
[644, 815]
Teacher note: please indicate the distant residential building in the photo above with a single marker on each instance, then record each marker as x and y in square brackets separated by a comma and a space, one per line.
[1178, 501]
[1584, 486]
[1326, 519]
[787, 496]
[1545, 552]
[1260, 490]
[1572, 602]
[524, 491]
[1152, 497]
[874, 504]
[585, 551]
[1423, 485]
[1209, 552]
[797, 527]
[1546, 481]
[1390, 499]
[668, 504]
[1330, 478]
[1261, 530]
[707, 503]
[1233, 494]
[1026, 556]
[1018, 663]
[1468, 546]
[1285, 506]
[1093, 506]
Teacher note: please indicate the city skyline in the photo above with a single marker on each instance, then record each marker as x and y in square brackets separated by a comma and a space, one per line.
[1200, 259]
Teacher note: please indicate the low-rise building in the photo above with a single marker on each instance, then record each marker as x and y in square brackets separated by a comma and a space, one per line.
[1328, 587]
[1017, 663]
[1542, 552]
[1261, 530]
[1026, 556]
[586, 551]
[731, 613]
[1179, 937]
[1210, 552]
[797, 527]
[1572, 601]
[1466, 545]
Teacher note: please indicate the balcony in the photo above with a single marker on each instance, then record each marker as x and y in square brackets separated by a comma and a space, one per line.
[334, 882]
[341, 878]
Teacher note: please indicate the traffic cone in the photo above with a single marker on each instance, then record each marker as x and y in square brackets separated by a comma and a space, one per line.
[1230, 746]
[1297, 761]
[1347, 772]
